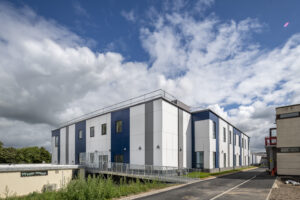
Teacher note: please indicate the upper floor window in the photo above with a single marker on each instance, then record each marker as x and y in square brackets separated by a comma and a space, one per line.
[92, 131]
[288, 115]
[224, 134]
[214, 130]
[229, 137]
[80, 134]
[242, 142]
[103, 129]
[56, 141]
[118, 126]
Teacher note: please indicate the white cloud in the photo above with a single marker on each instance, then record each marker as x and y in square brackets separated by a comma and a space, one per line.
[49, 74]
[130, 16]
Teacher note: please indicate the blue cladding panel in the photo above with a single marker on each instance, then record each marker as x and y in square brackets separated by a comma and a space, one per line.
[120, 141]
[57, 133]
[203, 116]
[80, 144]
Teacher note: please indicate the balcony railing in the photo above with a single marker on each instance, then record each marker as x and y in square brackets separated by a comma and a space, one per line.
[270, 141]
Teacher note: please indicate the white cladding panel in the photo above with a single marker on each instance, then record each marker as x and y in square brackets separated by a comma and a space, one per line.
[157, 132]
[230, 153]
[223, 142]
[169, 134]
[62, 146]
[202, 140]
[187, 140]
[137, 134]
[100, 143]
[72, 144]
[54, 159]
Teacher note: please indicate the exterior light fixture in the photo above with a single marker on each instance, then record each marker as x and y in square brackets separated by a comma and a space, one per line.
[125, 149]
[140, 148]
[158, 147]
[180, 149]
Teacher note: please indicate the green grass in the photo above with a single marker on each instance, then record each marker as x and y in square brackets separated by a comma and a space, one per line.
[206, 174]
[95, 188]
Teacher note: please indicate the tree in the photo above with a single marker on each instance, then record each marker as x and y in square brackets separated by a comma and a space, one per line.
[24, 155]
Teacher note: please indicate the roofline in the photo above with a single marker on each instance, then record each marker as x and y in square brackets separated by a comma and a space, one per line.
[68, 124]
[208, 109]
[288, 106]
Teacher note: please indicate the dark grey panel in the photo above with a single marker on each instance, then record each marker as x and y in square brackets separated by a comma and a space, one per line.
[67, 145]
[180, 138]
[149, 133]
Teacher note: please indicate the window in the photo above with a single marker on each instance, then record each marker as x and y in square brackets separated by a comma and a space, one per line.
[229, 137]
[56, 141]
[199, 159]
[80, 134]
[119, 158]
[239, 138]
[224, 159]
[242, 142]
[234, 139]
[214, 160]
[92, 131]
[92, 157]
[118, 126]
[214, 130]
[288, 115]
[103, 129]
[224, 134]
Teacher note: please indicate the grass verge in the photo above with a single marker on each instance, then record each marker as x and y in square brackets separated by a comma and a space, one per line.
[206, 174]
[95, 188]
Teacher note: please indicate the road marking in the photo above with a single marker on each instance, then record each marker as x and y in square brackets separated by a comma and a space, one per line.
[271, 190]
[232, 188]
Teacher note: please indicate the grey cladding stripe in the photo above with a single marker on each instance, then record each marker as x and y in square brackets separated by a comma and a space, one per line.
[67, 145]
[180, 138]
[149, 133]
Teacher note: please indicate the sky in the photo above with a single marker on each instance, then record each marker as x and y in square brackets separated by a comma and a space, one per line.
[62, 59]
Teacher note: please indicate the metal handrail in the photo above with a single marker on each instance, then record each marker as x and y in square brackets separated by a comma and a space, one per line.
[163, 173]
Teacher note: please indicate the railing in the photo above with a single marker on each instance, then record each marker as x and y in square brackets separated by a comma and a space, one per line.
[270, 141]
[123, 104]
[162, 173]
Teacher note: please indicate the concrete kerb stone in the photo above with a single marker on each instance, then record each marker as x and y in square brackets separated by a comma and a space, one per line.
[152, 192]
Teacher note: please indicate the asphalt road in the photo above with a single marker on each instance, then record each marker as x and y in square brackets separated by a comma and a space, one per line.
[253, 184]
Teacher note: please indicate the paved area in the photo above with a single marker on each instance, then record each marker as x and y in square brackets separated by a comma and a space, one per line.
[282, 191]
[252, 184]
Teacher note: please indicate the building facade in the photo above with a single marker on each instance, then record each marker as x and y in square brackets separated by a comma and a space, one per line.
[288, 140]
[154, 129]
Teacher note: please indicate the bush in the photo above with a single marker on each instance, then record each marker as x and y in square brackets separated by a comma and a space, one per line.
[95, 188]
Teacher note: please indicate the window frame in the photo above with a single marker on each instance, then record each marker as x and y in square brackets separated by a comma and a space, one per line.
[80, 134]
[92, 131]
[214, 130]
[117, 130]
[56, 141]
[102, 128]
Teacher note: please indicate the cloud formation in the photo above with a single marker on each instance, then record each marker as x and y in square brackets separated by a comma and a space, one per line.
[48, 74]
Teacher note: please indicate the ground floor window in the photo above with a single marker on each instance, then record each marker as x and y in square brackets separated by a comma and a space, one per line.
[119, 158]
[199, 159]
[224, 159]
[92, 157]
[214, 160]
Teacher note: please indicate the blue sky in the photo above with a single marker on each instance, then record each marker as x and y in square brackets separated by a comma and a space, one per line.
[103, 22]
[61, 59]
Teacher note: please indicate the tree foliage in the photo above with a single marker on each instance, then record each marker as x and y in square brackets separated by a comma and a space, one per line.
[24, 155]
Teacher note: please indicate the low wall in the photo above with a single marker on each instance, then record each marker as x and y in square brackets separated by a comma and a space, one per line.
[22, 181]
